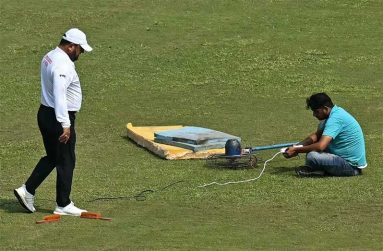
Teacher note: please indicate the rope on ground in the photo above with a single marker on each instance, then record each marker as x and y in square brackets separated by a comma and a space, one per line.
[241, 181]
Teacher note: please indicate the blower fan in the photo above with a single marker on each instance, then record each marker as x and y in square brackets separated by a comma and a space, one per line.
[235, 157]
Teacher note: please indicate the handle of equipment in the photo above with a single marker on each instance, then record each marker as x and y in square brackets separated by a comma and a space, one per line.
[276, 146]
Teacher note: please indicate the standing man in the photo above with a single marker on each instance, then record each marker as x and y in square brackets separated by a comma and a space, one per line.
[337, 147]
[60, 100]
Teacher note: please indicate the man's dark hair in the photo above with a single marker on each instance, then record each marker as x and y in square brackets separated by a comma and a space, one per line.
[64, 42]
[319, 100]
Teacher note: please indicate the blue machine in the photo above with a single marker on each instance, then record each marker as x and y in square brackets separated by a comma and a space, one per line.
[194, 138]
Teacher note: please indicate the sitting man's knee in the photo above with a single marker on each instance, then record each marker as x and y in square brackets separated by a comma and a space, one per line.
[312, 156]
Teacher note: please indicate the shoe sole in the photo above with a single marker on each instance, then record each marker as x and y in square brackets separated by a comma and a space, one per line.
[310, 175]
[55, 212]
[62, 213]
[21, 201]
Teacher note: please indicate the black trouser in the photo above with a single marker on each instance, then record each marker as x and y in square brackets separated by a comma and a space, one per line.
[59, 155]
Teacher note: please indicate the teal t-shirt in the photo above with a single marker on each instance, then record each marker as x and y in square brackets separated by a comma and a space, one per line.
[347, 137]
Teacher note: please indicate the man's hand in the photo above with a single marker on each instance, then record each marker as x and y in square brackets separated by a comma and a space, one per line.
[290, 152]
[64, 137]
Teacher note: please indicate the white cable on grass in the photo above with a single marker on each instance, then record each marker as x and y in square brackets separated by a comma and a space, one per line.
[242, 181]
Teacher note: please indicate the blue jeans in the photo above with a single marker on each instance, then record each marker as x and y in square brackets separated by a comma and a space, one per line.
[331, 164]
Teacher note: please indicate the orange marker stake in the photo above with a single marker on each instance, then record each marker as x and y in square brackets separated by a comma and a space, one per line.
[49, 218]
[95, 216]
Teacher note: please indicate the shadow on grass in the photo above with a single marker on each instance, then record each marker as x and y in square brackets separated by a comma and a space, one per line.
[14, 207]
[283, 169]
[11, 206]
[246, 163]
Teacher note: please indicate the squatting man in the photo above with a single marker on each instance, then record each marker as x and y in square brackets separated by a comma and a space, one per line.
[337, 147]
[60, 100]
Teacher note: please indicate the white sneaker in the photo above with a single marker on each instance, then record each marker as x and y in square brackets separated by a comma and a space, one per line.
[25, 198]
[70, 209]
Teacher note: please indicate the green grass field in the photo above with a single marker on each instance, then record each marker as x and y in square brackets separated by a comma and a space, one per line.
[242, 67]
